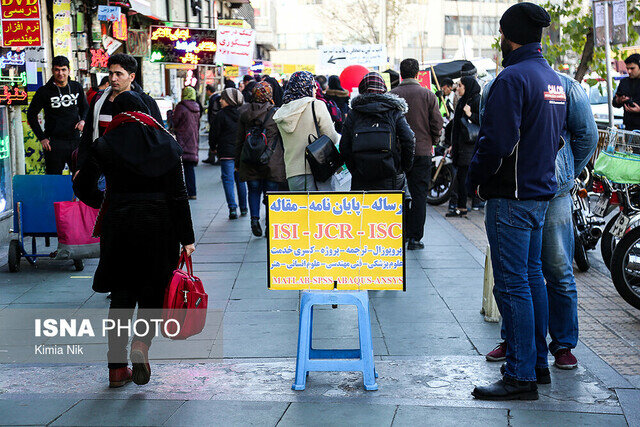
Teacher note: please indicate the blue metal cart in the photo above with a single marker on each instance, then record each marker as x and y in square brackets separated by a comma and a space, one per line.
[33, 215]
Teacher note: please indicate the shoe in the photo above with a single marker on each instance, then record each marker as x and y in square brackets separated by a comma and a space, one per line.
[477, 206]
[543, 376]
[243, 212]
[209, 161]
[414, 245]
[452, 207]
[255, 227]
[565, 359]
[233, 214]
[456, 213]
[507, 389]
[119, 377]
[498, 354]
[193, 197]
[140, 361]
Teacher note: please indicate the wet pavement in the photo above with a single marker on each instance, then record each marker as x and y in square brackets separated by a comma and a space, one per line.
[428, 344]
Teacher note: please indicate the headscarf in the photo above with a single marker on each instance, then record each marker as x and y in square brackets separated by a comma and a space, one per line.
[334, 83]
[263, 92]
[229, 84]
[372, 83]
[188, 94]
[471, 88]
[144, 146]
[320, 94]
[247, 92]
[277, 90]
[233, 97]
[300, 85]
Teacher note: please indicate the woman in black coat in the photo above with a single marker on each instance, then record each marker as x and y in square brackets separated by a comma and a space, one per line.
[337, 94]
[462, 144]
[144, 217]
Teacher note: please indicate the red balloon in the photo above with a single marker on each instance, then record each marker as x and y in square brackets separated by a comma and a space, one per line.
[352, 76]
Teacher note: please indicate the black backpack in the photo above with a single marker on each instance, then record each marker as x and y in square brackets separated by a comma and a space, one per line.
[374, 149]
[256, 149]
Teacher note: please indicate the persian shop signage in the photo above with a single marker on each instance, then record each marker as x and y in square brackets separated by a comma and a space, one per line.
[20, 23]
[175, 45]
[13, 77]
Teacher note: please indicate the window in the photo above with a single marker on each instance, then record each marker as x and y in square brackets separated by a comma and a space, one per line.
[418, 40]
[451, 25]
[466, 23]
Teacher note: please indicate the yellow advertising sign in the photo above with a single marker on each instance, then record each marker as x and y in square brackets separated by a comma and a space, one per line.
[234, 23]
[292, 68]
[232, 71]
[344, 241]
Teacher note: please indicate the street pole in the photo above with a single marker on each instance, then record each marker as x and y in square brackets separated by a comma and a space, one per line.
[607, 52]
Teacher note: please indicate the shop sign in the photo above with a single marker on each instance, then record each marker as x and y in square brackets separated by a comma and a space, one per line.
[119, 28]
[99, 58]
[175, 45]
[236, 46]
[62, 28]
[20, 23]
[343, 241]
[13, 77]
[231, 71]
[110, 44]
[137, 41]
[240, 23]
[109, 13]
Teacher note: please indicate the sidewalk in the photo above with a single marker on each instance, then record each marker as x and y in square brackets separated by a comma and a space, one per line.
[429, 344]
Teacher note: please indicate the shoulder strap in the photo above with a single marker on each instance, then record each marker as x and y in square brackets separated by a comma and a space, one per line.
[315, 120]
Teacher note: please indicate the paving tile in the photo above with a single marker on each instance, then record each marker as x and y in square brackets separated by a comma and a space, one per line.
[32, 411]
[228, 413]
[322, 414]
[447, 416]
[630, 402]
[125, 412]
[525, 417]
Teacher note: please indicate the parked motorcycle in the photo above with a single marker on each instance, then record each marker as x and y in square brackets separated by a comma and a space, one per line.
[625, 267]
[587, 229]
[442, 176]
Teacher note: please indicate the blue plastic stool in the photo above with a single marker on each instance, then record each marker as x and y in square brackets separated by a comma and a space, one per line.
[310, 359]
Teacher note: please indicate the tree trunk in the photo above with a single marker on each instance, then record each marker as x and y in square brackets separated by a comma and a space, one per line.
[587, 56]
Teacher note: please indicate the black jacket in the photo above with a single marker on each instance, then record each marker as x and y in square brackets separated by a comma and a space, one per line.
[212, 111]
[368, 109]
[225, 129]
[462, 150]
[631, 88]
[63, 109]
[87, 133]
[341, 98]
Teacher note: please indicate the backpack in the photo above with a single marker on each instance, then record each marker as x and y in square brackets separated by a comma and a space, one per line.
[256, 149]
[374, 149]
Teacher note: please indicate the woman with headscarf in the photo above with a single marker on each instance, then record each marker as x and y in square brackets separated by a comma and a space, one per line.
[377, 143]
[338, 94]
[186, 125]
[295, 123]
[225, 130]
[332, 107]
[277, 90]
[260, 178]
[144, 218]
[462, 148]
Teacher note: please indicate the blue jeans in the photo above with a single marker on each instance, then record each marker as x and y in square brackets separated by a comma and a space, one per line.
[256, 189]
[514, 231]
[229, 178]
[190, 177]
[557, 267]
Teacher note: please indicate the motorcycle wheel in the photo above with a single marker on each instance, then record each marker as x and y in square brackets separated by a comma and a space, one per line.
[440, 191]
[625, 267]
[580, 253]
[608, 241]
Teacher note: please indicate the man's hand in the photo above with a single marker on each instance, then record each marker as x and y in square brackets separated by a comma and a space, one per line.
[80, 125]
[189, 249]
[45, 145]
[621, 99]
[467, 110]
[633, 108]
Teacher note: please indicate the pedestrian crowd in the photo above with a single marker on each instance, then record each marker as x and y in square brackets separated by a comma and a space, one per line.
[516, 144]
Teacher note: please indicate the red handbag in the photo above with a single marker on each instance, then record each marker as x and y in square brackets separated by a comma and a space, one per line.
[185, 303]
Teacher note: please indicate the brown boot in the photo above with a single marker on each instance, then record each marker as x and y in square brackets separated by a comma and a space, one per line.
[119, 377]
[140, 362]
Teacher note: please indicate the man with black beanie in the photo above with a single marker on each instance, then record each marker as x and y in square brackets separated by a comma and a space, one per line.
[513, 168]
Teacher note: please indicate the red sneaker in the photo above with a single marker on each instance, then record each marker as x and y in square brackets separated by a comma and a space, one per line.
[565, 360]
[498, 354]
[119, 377]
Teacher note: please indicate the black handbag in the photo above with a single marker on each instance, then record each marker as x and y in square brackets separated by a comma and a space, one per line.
[469, 131]
[322, 155]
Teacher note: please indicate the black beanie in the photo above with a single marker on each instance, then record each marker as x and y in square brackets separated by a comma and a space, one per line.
[522, 23]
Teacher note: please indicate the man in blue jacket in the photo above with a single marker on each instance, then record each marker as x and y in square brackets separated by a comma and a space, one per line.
[514, 169]
[581, 139]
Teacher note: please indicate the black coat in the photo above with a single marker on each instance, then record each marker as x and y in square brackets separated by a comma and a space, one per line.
[368, 109]
[212, 111]
[462, 151]
[341, 98]
[225, 130]
[144, 221]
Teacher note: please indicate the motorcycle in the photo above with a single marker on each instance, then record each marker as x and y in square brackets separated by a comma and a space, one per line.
[442, 176]
[587, 229]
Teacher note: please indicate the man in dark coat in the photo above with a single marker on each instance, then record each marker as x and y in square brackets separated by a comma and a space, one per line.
[426, 121]
[122, 72]
[628, 93]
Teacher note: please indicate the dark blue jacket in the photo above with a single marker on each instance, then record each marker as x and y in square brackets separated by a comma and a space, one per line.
[521, 130]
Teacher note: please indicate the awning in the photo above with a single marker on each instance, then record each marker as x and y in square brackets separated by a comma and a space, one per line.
[454, 69]
[143, 7]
